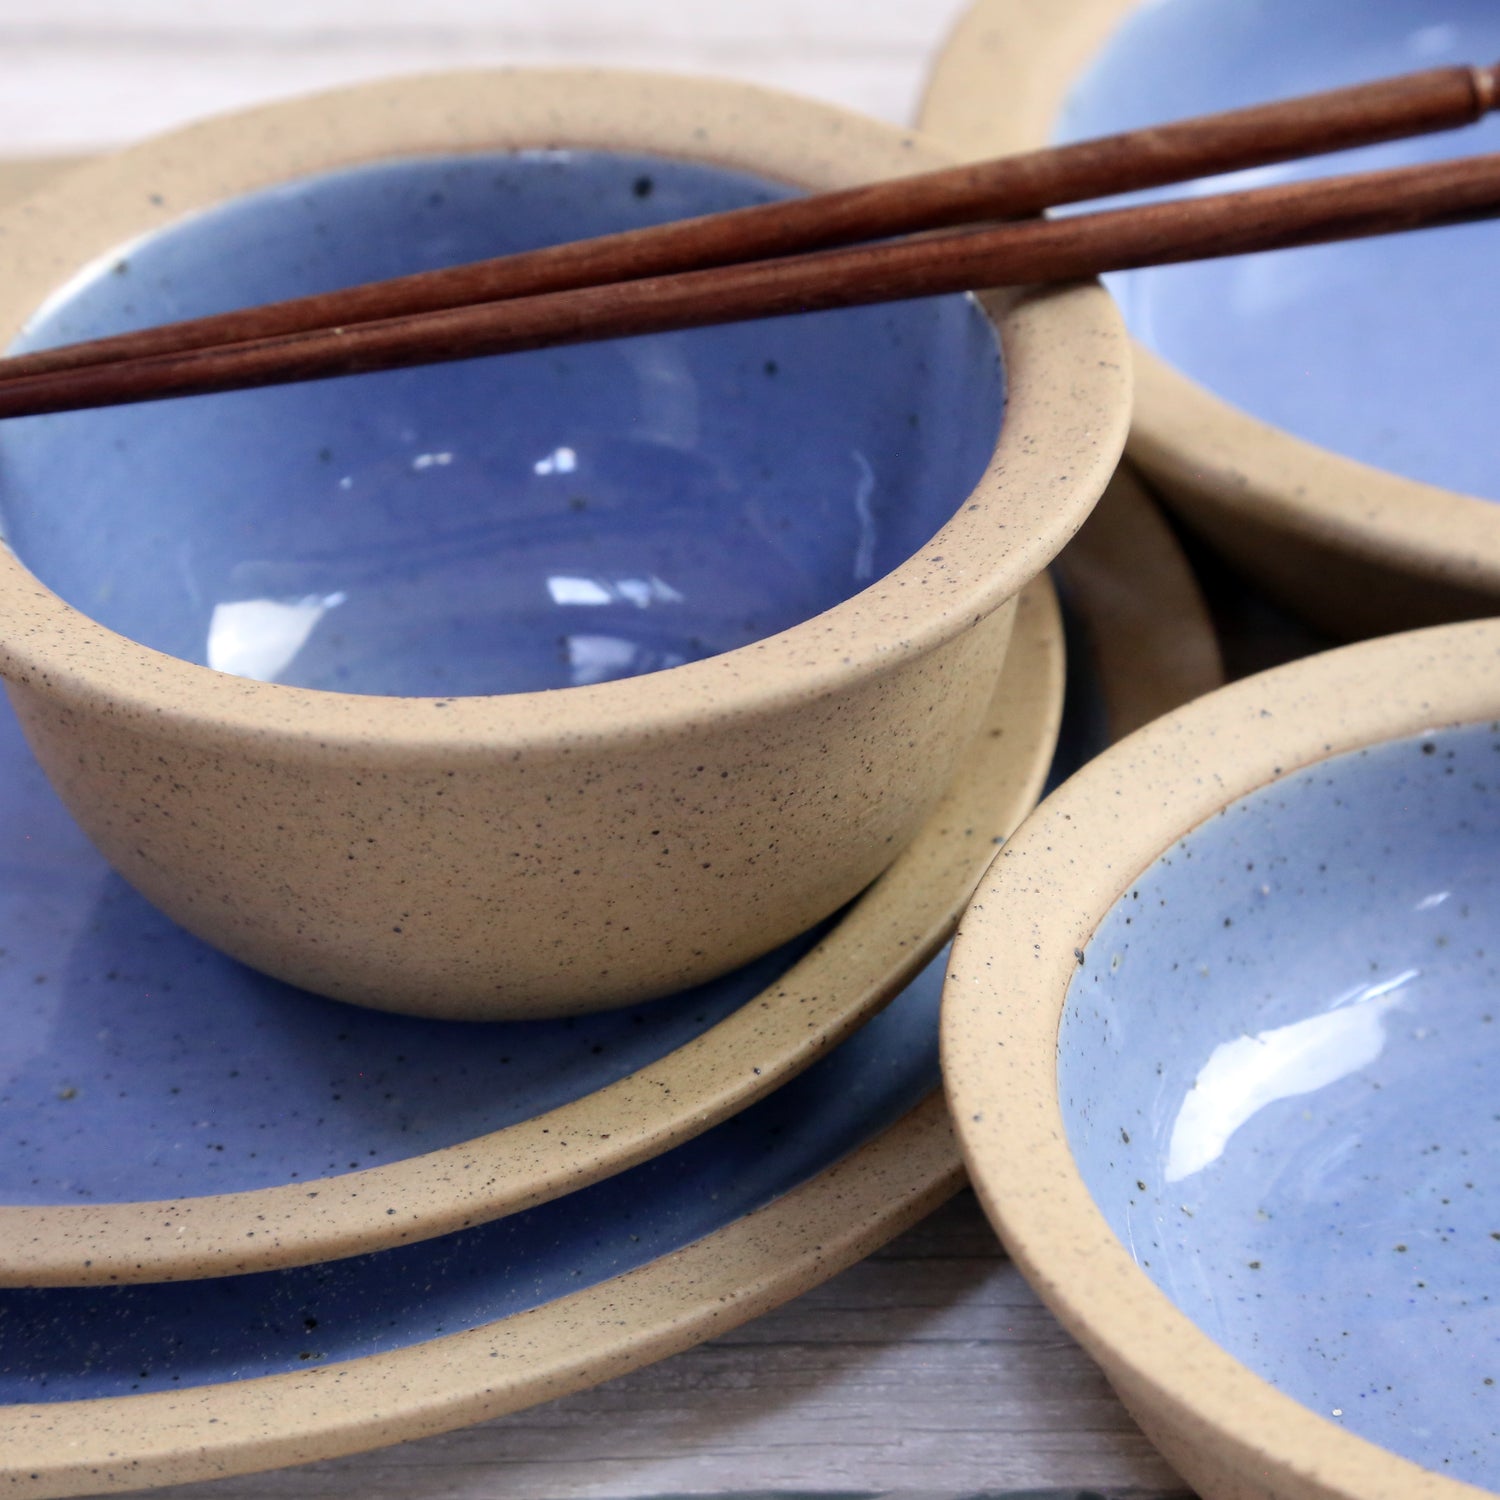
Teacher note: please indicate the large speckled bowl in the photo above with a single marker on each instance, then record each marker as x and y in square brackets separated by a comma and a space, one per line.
[1220, 1036]
[528, 687]
[1323, 417]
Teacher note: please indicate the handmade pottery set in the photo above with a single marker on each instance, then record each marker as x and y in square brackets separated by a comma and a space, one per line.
[475, 919]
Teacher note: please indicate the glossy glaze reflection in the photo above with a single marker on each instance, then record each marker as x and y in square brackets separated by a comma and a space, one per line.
[543, 520]
[1280, 1067]
[1379, 350]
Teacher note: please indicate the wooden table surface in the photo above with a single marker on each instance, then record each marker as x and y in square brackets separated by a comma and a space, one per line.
[930, 1369]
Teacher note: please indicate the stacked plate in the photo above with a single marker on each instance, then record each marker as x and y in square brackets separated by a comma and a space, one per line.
[242, 1227]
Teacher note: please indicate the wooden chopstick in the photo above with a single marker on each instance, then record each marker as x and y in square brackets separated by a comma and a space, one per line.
[607, 288]
[1011, 187]
[1037, 251]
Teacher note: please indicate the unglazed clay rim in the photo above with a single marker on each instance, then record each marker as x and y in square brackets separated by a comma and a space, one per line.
[1026, 53]
[1007, 985]
[865, 961]
[1067, 392]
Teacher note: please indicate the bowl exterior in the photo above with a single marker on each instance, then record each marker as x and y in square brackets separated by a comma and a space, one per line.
[550, 852]
[1354, 550]
[462, 885]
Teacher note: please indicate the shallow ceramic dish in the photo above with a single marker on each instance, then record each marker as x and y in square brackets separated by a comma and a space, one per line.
[152, 1084]
[431, 1320]
[1218, 1040]
[293, 826]
[1323, 417]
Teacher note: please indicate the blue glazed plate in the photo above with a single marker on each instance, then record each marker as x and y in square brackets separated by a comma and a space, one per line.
[1219, 1037]
[1379, 350]
[1297, 1135]
[108, 1384]
[169, 1113]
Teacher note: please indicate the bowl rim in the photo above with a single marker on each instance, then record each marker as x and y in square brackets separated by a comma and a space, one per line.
[1016, 952]
[1029, 52]
[1067, 388]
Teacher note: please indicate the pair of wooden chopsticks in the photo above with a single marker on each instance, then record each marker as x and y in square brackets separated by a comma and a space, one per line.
[782, 258]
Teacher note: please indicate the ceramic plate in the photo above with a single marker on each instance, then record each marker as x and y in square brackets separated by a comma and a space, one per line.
[1231, 1107]
[1320, 416]
[233, 1124]
[132, 1386]
[354, 1351]
[173, 1114]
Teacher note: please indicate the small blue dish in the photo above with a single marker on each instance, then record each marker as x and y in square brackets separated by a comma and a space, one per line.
[542, 520]
[1279, 1065]
[1379, 350]
[1220, 1039]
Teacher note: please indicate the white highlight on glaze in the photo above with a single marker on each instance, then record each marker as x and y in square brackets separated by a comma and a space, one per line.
[559, 461]
[602, 658]
[567, 589]
[666, 393]
[1435, 899]
[1242, 1077]
[260, 638]
[432, 461]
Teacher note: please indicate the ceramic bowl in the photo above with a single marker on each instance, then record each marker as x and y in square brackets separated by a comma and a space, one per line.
[416, 813]
[1323, 417]
[1219, 1036]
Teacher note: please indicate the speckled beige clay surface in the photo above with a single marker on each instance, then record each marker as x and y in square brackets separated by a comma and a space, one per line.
[1136, 600]
[1231, 1434]
[701, 1291]
[883, 940]
[1353, 549]
[797, 766]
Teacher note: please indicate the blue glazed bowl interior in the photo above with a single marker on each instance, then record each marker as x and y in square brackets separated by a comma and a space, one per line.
[1279, 1065]
[1381, 350]
[543, 520]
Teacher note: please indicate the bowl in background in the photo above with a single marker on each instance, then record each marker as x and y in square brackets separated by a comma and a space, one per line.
[1323, 417]
[1219, 1038]
[400, 823]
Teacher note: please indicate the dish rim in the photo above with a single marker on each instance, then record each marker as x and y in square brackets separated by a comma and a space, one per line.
[1029, 52]
[1054, 882]
[1067, 387]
